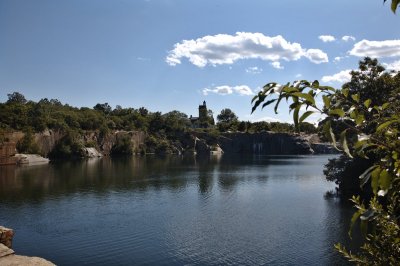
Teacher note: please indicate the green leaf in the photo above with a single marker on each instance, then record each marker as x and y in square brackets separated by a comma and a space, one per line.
[343, 142]
[327, 101]
[254, 98]
[366, 175]
[327, 88]
[333, 138]
[367, 103]
[375, 179]
[385, 125]
[354, 219]
[268, 103]
[305, 115]
[290, 89]
[385, 105]
[395, 3]
[367, 215]
[296, 117]
[277, 104]
[315, 84]
[385, 180]
[356, 97]
[359, 119]
[345, 92]
[364, 227]
[338, 112]
[305, 96]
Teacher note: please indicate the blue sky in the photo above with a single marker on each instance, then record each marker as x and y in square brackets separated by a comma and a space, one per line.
[173, 54]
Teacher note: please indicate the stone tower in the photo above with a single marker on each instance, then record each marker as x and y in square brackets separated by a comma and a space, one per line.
[203, 112]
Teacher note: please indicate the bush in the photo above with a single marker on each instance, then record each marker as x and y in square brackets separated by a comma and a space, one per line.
[27, 144]
[122, 146]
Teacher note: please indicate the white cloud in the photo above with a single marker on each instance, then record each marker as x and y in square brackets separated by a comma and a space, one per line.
[267, 119]
[347, 38]
[226, 49]
[277, 65]
[143, 59]
[254, 70]
[299, 75]
[337, 59]
[226, 90]
[316, 56]
[392, 66]
[327, 38]
[388, 48]
[342, 77]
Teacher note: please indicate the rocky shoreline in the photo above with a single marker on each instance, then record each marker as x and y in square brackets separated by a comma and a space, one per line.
[94, 145]
[8, 256]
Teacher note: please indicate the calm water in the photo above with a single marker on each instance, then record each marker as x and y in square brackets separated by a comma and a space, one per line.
[175, 211]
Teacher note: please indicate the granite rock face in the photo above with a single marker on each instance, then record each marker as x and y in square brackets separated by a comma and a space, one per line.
[264, 143]
[6, 236]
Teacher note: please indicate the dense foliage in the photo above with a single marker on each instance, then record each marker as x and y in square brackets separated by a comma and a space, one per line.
[20, 114]
[372, 132]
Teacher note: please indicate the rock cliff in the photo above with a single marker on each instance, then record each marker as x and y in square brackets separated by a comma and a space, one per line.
[263, 143]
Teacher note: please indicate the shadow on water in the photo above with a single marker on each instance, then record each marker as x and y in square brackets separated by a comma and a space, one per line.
[337, 226]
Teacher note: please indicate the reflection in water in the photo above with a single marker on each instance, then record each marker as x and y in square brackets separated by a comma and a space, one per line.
[175, 210]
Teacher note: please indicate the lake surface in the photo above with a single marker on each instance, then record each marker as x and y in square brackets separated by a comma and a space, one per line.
[229, 210]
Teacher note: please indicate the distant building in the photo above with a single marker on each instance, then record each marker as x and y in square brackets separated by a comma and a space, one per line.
[203, 120]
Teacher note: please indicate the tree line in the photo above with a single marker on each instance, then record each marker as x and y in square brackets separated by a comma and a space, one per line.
[18, 113]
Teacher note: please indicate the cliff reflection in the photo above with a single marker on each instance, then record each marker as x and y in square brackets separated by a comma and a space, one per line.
[120, 174]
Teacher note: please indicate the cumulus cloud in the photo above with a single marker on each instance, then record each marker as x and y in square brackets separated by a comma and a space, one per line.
[347, 38]
[226, 49]
[392, 66]
[388, 48]
[327, 38]
[277, 65]
[254, 70]
[226, 90]
[342, 77]
[267, 119]
[316, 56]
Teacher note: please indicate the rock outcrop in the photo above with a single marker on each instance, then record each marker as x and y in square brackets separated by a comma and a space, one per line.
[7, 256]
[6, 236]
[264, 143]
[92, 153]
[30, 159]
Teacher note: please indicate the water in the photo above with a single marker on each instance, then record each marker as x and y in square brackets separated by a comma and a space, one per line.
[175, 211]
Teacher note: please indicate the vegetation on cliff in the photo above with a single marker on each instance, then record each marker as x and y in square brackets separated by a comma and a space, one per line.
[164, 131]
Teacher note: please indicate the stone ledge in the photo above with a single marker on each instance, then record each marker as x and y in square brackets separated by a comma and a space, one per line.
[7, 256]
[5, 251]
[17, 260]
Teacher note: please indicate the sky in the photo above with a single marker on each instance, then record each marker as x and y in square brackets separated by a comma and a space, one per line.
[173, 54]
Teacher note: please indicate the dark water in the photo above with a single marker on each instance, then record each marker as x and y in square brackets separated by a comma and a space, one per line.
[175, 211]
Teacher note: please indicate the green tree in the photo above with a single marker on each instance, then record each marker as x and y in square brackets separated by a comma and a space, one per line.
[103, 107]
[27, 144]
[380, 134]
[16, 97]
[227, 120]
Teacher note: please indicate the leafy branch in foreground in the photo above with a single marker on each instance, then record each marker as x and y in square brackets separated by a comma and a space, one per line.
[394, 5]
[369, 129]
